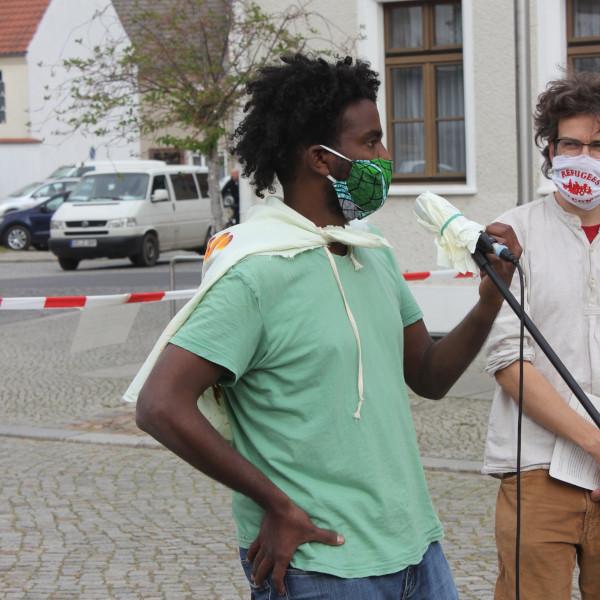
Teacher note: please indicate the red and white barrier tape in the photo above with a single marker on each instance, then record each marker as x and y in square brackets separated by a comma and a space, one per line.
[51, 302]
[441, 274]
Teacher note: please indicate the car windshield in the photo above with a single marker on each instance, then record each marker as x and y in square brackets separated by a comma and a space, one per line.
[24, 191]
[65, 171]
[111, 186]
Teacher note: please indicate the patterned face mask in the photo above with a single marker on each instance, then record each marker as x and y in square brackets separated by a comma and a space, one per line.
[365, 189]
[577, 179]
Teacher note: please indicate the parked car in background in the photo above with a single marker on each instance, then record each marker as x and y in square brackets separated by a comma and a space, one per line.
[134, 213]
[21, 229]
[87, 166]
[35, 193]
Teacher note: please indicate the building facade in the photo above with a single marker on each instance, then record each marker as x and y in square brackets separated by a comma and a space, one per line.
[448, 100]
[35, 37]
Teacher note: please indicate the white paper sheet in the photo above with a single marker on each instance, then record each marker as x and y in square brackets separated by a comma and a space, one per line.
[569, 462]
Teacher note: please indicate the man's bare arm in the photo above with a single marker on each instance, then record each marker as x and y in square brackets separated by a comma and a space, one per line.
[543, 404]
[431, 369]
[167, 410]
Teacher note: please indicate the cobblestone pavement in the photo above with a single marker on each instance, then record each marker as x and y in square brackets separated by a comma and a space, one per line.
[82, 521]
[112, 522]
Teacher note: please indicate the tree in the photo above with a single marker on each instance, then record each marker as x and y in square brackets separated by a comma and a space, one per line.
[181, 74]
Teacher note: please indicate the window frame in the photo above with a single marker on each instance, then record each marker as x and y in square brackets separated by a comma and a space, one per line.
[428, 56]
[579, 47]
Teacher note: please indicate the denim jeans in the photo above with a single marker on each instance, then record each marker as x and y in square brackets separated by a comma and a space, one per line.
[431, 579]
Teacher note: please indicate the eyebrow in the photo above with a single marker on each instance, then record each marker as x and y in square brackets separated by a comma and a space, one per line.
[377, 133]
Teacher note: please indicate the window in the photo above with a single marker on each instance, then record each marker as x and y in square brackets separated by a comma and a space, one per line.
[583, 35]
[202, 179]
[159, 183]
[2, 101]
[170, 155]
[56, 187]
[53, 204]
[425, 92]
[117, 186]
[184, 186]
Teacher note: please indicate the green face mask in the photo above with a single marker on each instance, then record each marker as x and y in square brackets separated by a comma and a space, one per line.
[366, 188]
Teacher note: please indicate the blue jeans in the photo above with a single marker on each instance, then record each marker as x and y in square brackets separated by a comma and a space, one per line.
[431, 579]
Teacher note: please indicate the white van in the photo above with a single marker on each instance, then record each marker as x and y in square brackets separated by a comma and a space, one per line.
[133, 212]
[86, 166]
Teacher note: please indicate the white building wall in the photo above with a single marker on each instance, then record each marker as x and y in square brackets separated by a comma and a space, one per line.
[490, 96]
[65, 21]
[14, 77]
[491, 187]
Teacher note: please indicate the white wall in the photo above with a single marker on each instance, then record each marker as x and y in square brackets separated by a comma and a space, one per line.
[491, 187]
[55, 40]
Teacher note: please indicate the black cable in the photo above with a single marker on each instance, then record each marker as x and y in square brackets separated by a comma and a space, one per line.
[519, 431]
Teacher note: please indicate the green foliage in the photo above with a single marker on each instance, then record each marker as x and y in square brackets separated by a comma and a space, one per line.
[184, 68]
[181, 73]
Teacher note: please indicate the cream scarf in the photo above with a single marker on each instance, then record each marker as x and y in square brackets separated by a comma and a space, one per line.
[275, 229]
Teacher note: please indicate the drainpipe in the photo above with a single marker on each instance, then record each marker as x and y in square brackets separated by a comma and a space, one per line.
[523, 101]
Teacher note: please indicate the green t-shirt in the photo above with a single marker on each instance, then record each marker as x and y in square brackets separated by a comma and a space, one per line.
[279, 326]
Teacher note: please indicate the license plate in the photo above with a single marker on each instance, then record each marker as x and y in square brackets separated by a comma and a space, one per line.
[84, 243]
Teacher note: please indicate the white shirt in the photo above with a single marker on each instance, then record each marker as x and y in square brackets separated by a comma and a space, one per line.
[562, 279]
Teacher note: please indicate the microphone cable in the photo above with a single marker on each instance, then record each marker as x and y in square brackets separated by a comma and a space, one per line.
[519, 435]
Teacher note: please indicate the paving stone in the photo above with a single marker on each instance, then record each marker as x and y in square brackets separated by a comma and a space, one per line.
[101, 520]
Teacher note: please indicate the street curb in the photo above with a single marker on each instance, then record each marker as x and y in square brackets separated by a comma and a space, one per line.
[73, 435]
[452, 465]
[137, 441]
[20, 257]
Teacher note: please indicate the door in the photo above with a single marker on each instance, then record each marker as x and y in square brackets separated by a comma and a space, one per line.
[160, 213]
[192, 211]
[40, 219]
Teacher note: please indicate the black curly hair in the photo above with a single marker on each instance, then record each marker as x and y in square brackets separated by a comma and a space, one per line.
[293, 106]
[577, 94]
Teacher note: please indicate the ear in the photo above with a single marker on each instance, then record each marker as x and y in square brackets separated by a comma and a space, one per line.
[551, 151]
[318, 160]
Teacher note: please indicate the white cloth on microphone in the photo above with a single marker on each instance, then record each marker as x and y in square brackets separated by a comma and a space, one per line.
[456, 236]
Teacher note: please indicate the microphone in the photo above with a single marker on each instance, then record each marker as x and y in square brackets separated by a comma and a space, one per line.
[457, 238]
[487, 244]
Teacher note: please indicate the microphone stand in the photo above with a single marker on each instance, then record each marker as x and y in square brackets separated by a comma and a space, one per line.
[483, 263]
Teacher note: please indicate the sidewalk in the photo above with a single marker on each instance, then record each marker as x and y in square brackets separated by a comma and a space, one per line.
[95, 509]
[13, 256]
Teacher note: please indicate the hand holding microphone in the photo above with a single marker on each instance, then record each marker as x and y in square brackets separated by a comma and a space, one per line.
[458, 238]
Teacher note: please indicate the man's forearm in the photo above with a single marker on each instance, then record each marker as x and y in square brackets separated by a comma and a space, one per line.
[447, 359]
[543, 404]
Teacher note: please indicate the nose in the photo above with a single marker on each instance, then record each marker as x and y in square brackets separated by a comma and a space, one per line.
[384, 152]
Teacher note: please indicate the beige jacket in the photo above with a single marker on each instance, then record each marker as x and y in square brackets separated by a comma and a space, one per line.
[562, 279]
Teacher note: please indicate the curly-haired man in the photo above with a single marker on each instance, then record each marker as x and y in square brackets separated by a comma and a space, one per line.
[312, 335]
[561, 260]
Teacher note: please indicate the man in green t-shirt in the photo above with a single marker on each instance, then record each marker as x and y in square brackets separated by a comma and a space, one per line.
[313, 354]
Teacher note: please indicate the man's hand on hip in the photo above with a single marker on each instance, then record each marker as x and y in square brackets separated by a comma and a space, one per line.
[281, 532]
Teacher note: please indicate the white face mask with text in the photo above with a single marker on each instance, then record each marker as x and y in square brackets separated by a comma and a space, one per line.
[577, 179]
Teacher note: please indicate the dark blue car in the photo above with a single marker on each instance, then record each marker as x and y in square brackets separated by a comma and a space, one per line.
[31, 227]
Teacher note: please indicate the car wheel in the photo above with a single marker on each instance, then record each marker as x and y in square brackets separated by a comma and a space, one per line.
[17, 237]
[149, 254]
[68, 264]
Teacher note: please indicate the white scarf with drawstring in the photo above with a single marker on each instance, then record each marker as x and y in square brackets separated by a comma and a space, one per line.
[272, 229]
